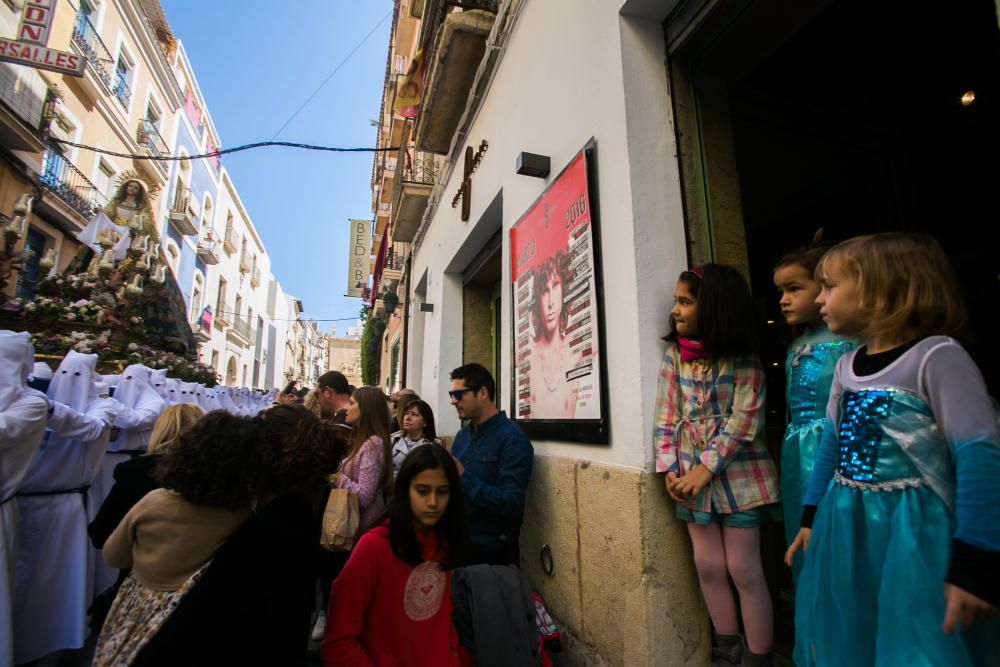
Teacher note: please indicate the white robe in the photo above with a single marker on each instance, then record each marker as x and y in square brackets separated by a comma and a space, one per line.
[52, 588]
[22, 426]
[139, 406]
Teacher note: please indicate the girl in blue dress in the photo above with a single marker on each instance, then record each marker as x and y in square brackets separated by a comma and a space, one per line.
[900, 522]
[809, 369]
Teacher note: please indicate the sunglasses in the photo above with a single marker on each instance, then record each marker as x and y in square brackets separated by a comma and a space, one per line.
[456, 394]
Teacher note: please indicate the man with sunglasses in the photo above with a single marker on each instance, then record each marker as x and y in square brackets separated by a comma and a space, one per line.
[494, 458]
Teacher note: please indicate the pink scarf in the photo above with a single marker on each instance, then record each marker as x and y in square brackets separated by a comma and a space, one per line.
[691, 349]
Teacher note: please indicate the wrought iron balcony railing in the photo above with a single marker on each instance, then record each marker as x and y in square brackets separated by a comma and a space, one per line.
[63, 179]
[394, 262]
[148, 136]
[93, 48]
[421, 168]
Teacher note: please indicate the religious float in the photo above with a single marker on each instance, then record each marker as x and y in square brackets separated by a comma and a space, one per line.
[117, 298]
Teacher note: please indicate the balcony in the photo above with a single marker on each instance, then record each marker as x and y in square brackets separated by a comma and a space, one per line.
[411, 192]
[223, 317]
[181, 215]
[62, 178]
[392, 270]
[201, 334]
[245, 262]
[149, 138]
[241, 332]
[22, 114]
[207, 248]
[460, 43]
[382, 216]
[230, 241]
[99, 63]
[255, 277]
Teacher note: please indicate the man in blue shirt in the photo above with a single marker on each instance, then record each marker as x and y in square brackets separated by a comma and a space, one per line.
[494, 458]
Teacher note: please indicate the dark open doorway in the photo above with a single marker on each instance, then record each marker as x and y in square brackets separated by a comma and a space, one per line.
[846, 115]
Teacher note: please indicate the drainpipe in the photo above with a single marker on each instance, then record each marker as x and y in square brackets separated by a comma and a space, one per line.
[406, 322]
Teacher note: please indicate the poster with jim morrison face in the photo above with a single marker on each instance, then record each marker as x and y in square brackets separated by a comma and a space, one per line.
[557, 374]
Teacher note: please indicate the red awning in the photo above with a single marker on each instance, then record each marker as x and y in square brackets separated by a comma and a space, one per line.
[379, 265]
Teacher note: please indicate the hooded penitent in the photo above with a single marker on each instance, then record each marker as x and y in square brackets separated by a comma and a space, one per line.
[22, 426]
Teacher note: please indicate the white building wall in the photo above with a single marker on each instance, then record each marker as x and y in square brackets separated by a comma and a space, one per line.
[571, 70]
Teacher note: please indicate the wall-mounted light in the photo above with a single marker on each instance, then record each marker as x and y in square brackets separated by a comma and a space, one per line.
[532, 164]
[968, 98]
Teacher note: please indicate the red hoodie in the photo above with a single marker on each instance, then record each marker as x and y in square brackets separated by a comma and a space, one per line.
[386, 613]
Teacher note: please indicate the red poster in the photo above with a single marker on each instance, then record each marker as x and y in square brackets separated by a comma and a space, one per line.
[556, 346]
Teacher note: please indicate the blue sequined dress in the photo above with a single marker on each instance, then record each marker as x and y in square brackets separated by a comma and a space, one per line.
[871, 591]
[809, 367]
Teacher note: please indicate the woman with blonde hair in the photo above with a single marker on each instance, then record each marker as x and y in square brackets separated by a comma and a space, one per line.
[134, 478]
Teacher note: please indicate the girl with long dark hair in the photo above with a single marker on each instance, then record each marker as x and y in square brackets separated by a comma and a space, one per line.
[392, 603]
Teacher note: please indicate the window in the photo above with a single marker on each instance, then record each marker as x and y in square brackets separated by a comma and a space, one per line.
[206, 213]
[215, 360]
[220, 302]
[104, 179]
[196, 299]
[124, 71]
[238, 307]
[153, 114]
[172, 257]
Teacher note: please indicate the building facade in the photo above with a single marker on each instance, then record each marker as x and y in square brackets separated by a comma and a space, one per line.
[714, 132]
[139, 96]
[126, 102]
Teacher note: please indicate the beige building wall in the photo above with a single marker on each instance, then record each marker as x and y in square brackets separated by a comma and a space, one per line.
[89, 112]
[599, 539]
[344, 355]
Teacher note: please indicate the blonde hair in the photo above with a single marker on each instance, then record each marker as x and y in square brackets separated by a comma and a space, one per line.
[906, 286]
[175, 420]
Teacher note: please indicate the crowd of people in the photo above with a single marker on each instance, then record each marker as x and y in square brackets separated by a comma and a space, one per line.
[179, 524]
[183, 522]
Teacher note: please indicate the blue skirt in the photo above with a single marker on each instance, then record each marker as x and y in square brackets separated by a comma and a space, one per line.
[872, 588]
[798, 456]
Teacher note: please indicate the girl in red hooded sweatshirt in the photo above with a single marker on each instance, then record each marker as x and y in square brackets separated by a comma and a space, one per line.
[391, 604]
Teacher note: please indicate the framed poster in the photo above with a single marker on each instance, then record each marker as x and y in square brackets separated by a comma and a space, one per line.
[559, 381]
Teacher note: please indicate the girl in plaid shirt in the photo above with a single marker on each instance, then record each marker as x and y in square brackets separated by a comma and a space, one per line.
[708, 439]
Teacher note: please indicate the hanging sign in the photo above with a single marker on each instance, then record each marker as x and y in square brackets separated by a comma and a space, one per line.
[30, 48]
[359, 256]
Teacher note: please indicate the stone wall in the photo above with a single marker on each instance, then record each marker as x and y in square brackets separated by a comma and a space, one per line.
[623, 587]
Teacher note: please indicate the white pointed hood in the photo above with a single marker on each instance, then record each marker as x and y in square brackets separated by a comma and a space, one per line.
[16, 354]
[73, 380]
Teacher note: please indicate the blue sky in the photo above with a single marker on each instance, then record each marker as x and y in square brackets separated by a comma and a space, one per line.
[256, 62]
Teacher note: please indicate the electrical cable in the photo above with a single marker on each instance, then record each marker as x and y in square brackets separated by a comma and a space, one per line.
[335, 70]
[224, 151]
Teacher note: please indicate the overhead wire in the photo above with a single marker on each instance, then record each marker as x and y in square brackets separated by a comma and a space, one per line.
[225, 151]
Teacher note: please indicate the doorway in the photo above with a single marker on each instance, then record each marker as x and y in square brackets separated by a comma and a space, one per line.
[850, 116]
[481, 309]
